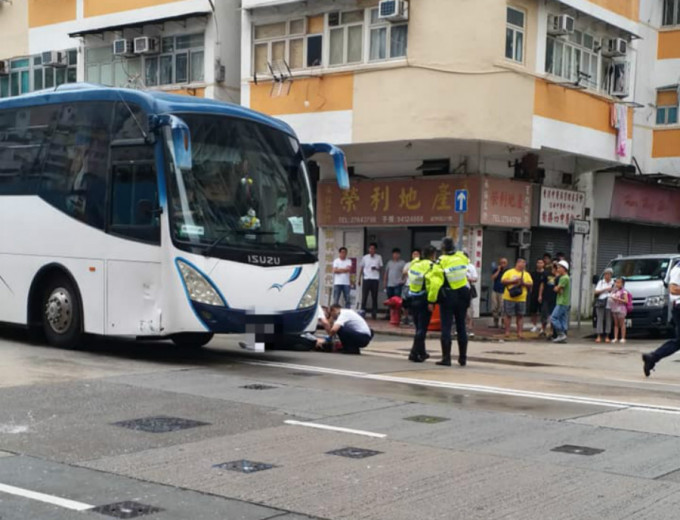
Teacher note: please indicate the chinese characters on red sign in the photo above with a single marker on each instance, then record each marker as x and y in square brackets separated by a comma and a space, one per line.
[559, 207]
[506, 203]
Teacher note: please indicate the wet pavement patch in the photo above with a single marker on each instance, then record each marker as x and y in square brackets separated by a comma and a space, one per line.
[354, 453]
[304, 374]
[244, 466]
[426, 419]
[159, 424]
[577, 450]
[504, 353]
[258, 386]
[126, 510]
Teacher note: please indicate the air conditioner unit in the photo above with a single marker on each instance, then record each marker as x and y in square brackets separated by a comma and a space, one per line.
[393, 10]
[146, 45]
[53, 59]
[123, 47]
[4, 67]
[520, 238]
[560, 25]
[615, 47]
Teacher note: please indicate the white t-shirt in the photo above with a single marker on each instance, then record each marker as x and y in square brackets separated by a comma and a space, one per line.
[472, 275]
[351, 320]
[368, 262]
[601, 286]
[341, 278]
[675, 279]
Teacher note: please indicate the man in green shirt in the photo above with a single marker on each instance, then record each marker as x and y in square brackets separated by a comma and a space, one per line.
[560, 316]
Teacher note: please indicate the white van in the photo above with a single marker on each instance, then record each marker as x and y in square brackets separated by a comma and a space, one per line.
[647, 278]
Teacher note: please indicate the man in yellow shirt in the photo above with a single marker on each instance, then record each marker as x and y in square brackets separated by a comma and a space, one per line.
[517, 283]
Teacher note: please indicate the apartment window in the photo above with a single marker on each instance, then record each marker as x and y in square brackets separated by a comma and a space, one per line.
[280, 44]
[671, 12]
[667, 107]
[514, 35]
[573, 58]
[29, 74]
[346, 35]
[387, 40]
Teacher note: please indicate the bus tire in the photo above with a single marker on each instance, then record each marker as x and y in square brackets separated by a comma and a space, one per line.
[192, 339]
[62, 313]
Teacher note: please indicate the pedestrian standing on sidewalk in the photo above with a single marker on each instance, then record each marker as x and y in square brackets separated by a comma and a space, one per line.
[425, 278]
[498, 290]
[369, 278]
[394, 276]
[517, 283]
[548, 295]
[560, 315]
[672, 345]
[342, 266]
[538, 276]
[472, 277]
[619, 307]
[603, 306]
[454, 299]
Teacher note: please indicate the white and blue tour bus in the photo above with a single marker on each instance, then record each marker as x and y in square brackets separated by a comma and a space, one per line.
[150, 215]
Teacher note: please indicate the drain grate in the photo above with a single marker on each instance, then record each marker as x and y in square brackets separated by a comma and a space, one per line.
[244, 466]
[159, 424]
[354, 453]
[126, 510]
[578, 450]
[258, 386]
[427, 419]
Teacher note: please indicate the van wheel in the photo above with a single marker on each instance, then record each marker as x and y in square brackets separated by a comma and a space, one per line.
[61, 315]
[192, 339]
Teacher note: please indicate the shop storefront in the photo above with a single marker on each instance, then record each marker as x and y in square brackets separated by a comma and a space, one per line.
[641, 219]
[419, 212]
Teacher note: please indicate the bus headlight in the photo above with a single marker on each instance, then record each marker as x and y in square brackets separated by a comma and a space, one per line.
[655, 301]
[198, 288]
[311, 296]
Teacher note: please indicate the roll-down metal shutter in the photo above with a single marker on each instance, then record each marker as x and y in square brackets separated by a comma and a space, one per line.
[612, 241]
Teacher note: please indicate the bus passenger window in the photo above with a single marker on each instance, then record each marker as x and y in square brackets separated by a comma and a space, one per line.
[134, 202]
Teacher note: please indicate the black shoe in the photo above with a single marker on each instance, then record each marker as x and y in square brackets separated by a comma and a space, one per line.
[648, 364]
[416, 359]
[462, 361]
[426, 356]
[445, 362]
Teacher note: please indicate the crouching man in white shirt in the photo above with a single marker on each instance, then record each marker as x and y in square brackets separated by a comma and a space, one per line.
[351, 329]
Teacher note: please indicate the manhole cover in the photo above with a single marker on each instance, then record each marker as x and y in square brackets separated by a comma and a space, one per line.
[258, 386]
[159, 424]
[244, 466]
[126, 510]
[577, 450]
[354, 453]
[427, 419]
[505, 353]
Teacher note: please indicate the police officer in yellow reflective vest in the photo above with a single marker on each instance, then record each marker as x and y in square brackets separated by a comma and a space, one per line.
[454, 300]
[425, 278]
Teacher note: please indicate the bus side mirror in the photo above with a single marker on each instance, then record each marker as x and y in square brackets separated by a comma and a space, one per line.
[339, 160]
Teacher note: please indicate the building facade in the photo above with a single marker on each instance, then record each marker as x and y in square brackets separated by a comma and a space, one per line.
[522, 103]
[183, 46]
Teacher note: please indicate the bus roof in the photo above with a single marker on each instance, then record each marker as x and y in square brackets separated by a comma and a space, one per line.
[154, 102]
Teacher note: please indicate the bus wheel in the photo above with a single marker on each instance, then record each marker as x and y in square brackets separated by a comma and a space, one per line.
[62, 318]
[192, 339]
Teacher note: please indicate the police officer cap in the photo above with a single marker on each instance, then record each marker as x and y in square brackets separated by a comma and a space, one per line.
[448, 245]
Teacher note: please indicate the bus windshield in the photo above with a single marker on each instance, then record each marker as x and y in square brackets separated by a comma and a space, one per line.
[248, 189]
[640, 269]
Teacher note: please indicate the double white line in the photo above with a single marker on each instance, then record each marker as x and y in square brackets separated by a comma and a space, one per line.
[475, 388]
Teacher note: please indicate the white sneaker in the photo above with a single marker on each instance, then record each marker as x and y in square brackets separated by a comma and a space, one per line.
[615, 341]
[622, 341]
[534, 329]
[562, 338]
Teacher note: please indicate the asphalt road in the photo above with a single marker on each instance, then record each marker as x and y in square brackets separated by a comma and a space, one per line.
[146, 430]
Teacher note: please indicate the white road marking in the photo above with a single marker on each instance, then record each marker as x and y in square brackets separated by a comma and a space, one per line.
[474, 388]
[42, 497]
[336, 429]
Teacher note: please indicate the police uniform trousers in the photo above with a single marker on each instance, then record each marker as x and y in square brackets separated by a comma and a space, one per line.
[421, 319]
[453, 306]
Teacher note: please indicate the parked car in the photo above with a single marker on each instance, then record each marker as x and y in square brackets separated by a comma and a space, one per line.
[647, 278]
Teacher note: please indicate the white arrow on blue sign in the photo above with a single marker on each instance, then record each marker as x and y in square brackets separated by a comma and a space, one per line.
[461, 198]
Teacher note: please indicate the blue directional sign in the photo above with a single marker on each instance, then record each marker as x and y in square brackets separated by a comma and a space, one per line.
[461, 199]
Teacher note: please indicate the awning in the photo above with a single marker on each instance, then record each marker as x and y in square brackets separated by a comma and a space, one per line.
[139, 24]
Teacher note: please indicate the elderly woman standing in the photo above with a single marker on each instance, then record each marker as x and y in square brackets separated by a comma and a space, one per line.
[603, 306]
